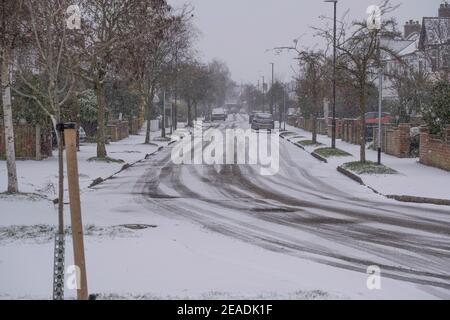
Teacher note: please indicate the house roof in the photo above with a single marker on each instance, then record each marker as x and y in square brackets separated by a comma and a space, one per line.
[401, 47]
[435, 31]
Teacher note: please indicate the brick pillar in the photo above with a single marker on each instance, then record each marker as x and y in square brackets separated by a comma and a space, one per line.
[404, 140]
[424, 140]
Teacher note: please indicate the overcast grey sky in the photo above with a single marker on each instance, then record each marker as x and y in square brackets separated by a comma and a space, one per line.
[240, 31]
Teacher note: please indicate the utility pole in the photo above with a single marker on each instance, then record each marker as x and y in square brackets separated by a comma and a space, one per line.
[271, 90]
[264, 94]
[284, 108]
[174, 107]
[70, 140]
[333, 123]
[380, 96]
[163, 129]
[171, 118]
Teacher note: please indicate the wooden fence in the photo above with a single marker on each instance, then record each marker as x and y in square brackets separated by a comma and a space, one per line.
[32, 142]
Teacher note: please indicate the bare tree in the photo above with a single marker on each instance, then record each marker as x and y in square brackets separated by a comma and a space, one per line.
[105, 31]
[435, 47]
[11, 30]
[359, 52]
[311, 82]
[49, 58]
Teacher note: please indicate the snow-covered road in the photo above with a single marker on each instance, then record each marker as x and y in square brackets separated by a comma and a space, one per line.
[306, 211]
[228, 232]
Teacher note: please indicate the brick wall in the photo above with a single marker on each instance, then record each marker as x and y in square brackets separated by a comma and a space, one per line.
[435, 151]
[351, 131]
[338, 128]
[395, 141]
[31, 142]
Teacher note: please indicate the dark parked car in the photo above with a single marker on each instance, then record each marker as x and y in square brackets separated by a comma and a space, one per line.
[252, 115]
[219, 114]
[263, 121]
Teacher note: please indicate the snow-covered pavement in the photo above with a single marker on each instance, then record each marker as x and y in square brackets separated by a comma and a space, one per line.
[413, 178]
[227, 232]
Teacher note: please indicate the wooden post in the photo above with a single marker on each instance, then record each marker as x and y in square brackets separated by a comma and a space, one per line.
[70, 139]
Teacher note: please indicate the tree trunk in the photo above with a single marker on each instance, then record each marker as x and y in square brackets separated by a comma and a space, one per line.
[175, 113]
[163, 129]
[142, 108]
[362, 137]
[77, 119]
[60, 183]
[8, 123]
[314, 126]
[148, 114]
[60, 141]
[101, 102]
[189, 114]
[195, 113]
[280, 116]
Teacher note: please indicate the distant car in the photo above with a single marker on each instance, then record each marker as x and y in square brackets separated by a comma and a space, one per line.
[219, 114]
[263, 121]
[372, 118]
[372, 122]
[252, 115]
[81, 134]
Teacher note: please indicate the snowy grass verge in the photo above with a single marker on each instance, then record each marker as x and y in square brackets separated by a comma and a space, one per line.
[43, 233]
[310, 143]
[368, 167]
[330, 152]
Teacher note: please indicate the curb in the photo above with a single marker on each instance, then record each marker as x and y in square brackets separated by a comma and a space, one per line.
[315, 155]
[299, 145]
[319, 157]
[413, 199]
[126, 166]
[351, 175]
[403, 198]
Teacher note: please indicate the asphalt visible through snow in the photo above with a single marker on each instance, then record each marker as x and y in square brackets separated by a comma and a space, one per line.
[306, 213]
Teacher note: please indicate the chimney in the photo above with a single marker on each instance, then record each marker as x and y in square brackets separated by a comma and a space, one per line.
[444, 10]
[411, 27]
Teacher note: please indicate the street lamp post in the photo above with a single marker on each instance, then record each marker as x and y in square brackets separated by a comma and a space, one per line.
[264, 93]
[271, 93]
[380, 97]
[284, 107]
[333, 124]
[374, 23]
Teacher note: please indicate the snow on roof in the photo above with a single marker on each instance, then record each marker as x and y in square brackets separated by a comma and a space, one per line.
[400, 46]
[435, 31]
[410, 49]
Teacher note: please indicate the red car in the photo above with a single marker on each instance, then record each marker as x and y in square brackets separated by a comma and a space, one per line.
[372, 118]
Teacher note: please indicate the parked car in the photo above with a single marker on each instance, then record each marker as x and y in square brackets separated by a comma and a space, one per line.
[263, 121]
[219, 114]
[252, 115]
[372, 118]
[372, 122]
[81, 134]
